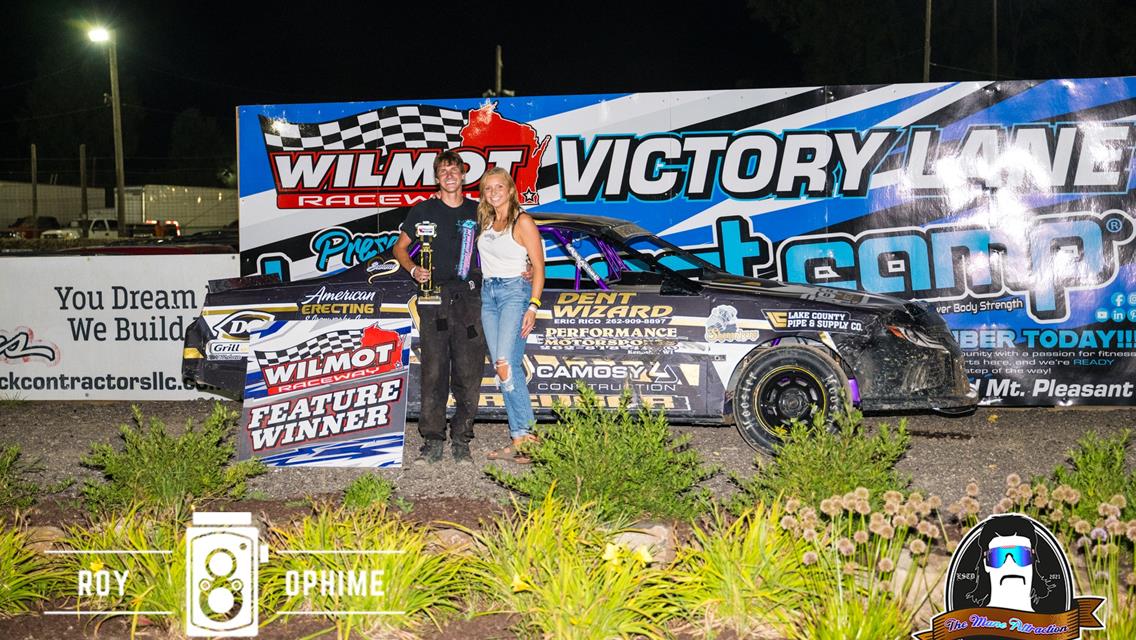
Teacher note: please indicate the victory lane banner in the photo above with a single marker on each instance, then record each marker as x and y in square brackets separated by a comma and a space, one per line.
[1010, 205]
[326, 393]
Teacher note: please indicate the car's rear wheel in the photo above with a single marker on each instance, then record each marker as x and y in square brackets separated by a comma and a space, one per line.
[782, 384]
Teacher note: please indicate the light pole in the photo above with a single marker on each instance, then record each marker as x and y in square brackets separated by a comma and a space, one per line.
[101, 35]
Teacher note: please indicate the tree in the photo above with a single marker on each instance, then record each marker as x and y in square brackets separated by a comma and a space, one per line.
[199, 154]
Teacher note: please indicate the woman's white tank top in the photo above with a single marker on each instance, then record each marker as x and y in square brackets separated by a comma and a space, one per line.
[501, 255]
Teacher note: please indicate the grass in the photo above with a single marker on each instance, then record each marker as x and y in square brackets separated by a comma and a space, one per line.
[26, 577]
[366, 491]
[1097, 470]
[16, 491]
[156, 581]
[420, 586]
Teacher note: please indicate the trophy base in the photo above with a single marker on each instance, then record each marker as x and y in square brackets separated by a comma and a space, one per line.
[433, 300]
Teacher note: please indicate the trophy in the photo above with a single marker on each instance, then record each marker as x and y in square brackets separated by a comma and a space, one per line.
[428, 293]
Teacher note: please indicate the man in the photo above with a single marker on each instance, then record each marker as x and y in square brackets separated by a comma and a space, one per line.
[452, 344]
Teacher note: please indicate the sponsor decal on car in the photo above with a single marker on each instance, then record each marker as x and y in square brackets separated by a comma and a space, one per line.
[238, 325]
[653, 339]
[378, 269]
[338, 301]
[226, 350]
[722, 326]
[582, 306]
[813, 320]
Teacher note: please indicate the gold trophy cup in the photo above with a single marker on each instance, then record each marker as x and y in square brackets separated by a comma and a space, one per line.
[427, 292]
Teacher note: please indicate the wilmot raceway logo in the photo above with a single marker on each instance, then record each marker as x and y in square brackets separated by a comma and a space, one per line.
[385, 157]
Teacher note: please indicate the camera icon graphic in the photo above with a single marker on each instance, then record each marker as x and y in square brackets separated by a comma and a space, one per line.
[222, 555]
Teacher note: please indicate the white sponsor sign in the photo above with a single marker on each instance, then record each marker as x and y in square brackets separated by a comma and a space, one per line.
[100, 327]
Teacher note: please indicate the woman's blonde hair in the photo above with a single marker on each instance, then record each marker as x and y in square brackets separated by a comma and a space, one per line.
[485, 211]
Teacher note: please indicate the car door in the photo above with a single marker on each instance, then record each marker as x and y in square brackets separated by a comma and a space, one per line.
[612, 326]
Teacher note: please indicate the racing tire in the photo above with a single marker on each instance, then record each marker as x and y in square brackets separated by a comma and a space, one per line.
[780, 384]
[955, 412]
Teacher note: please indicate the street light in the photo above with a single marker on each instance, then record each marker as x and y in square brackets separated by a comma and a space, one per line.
[101, 35]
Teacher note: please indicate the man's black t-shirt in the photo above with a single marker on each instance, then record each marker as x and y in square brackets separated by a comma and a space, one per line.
[447, 243]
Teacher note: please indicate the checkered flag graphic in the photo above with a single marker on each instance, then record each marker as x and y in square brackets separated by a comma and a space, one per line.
[402, 127]
[322, 345]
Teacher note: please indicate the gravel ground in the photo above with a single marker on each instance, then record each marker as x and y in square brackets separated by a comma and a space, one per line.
[946, 452]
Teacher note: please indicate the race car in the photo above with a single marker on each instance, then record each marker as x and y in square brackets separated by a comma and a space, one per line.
[623, 309]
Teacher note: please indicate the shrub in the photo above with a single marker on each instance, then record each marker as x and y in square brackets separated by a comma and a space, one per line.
[1097, 472]
[166, 473]
[418, 584]
[625, 463]
[845, 613]
[743, 575]
[366, 491]
[15, 490]
[814, 462]
[557, 568]
[1100, 544]
[871, 576]
[27, 577]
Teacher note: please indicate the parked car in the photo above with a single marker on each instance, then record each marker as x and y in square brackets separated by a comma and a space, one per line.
[90, 228]
[31, 228]
[153, 229]
[624, 309]
[226, 236]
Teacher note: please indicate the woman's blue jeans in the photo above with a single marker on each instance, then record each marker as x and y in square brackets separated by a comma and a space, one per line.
[503, 305]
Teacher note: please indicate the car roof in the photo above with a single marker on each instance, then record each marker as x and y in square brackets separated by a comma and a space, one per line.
[601, 225]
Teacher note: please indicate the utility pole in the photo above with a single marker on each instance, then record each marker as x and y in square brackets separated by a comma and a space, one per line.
[994, 42]
[83, 208]
[120, 172]
[498, 70]
[927, 43]
[35, 192]
[100, 34]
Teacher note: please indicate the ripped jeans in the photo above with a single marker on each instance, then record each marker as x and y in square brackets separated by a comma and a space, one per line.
[503, 305]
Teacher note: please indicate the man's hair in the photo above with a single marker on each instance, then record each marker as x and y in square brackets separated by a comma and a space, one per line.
[448, 157]
[1007, 525]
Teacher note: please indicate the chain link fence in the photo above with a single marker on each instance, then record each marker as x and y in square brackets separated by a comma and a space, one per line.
[194, 208]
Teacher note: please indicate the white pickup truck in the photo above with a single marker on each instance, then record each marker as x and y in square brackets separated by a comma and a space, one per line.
[92, 228]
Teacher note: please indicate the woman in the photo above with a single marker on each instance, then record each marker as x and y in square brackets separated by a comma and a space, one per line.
[509, 242]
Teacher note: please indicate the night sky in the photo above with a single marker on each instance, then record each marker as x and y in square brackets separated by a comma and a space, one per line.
[215, 56]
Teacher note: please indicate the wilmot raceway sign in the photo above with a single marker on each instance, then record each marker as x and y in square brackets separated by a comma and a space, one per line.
[1008, 205]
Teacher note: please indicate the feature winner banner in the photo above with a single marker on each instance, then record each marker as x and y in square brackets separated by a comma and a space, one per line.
[1008, 205]
[100, 327]
[329, 393]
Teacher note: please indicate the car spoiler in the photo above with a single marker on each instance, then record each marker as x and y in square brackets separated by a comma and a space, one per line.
[247, 282]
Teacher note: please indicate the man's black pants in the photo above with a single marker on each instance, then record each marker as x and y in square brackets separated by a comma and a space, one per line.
[452, 361]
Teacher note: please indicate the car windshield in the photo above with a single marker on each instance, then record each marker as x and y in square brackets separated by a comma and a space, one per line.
[650, 252]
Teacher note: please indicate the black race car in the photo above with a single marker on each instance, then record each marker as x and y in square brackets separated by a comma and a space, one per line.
[624, 309]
